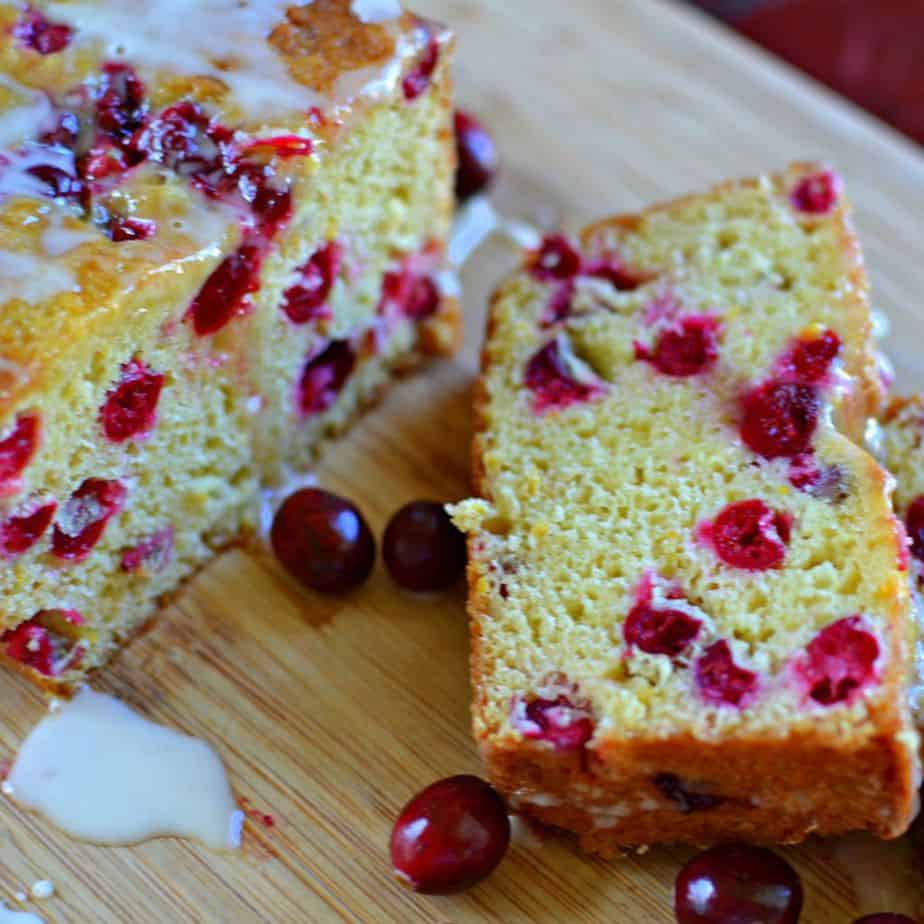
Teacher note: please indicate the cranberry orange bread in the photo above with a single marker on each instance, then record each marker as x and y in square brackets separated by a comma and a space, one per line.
[221, 230]
[690, 614]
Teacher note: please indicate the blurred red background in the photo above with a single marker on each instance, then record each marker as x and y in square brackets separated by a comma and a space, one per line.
[872, 51]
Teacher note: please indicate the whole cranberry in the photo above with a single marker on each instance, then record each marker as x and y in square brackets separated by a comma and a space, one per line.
[323, 541]
[450, 836]
[738, 884]
[421, 547]
[477, 154]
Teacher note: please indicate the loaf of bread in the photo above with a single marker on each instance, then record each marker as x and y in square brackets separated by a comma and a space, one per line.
[221, 232]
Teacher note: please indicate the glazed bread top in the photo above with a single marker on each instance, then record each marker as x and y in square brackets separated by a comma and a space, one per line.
[141, 140]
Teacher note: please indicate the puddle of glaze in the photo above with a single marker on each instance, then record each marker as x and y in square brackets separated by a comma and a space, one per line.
[103, 773]
[17, 917]
[476, 221]
[882, 874]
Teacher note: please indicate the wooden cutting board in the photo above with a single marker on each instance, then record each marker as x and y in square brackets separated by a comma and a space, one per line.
[330, 713]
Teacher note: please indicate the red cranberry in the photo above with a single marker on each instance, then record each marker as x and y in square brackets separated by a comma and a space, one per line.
[152, 554]
[42, 35]
[779, 419]
[817, 194]
[721, 681]
[660, 631]
[101, 161]
[686, 348]
[552, 385]
[324, 376]
[914, 524]
[477, 156]
[450, 836]
[423, 300]
[556, 258]
[130, 408]
[688, 800]
[839, 661]
[269, 200]
[65, 133]
[226, 293]
[84, 517]
[749, 535]
[184, 139]
[809, 359]
[737, 884]
[121, 228]
[565, 726]
[32, 645]
[418, 80]
[306, 299]
[323, 541]
[422, 549]
[611, 269]
[60, 184]
[886, 918]
[824, 482]
[19, 533]
[17, 449]
[409, 294]
[120, 108]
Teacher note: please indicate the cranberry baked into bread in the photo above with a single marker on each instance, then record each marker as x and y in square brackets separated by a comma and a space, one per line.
[689, 604]
[221, 231]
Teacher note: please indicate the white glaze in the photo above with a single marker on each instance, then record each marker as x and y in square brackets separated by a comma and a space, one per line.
[378, 81]
[207, 223]
[477, 220]
[19, 123]
[14, 178]
[17, 917]
[42, 889]
[225, 40]
[376, 10]
[196, 39]
[105, 774]
[880, 324]
[32, 277]
[58, 240]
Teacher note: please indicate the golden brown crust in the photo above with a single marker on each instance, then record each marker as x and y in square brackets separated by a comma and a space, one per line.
[795, 787]
[323, 40]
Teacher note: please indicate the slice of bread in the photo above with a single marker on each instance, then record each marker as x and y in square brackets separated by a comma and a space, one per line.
[688, 598]
[205, 273]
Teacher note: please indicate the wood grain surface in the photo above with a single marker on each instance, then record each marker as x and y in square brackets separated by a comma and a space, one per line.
[330, 713]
